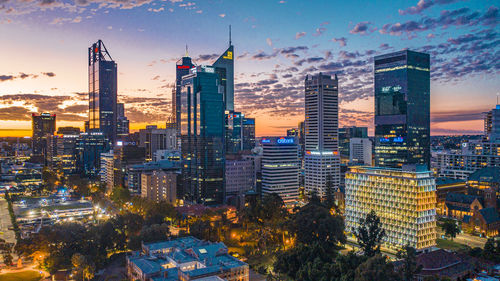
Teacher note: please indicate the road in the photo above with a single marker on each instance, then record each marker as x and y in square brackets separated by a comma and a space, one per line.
[470, 240]
[5, 223]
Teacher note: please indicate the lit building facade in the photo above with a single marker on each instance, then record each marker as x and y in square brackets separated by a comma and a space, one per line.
[43, 126]
[402, 109]
[122, 122]
[182, 68]
[280, 167]
[89, 147]
[322, 158]
[160, 185]
[248, 133]
[202, 137]
[234, 132]
[153, 139]
[405, 202]
[102, 91]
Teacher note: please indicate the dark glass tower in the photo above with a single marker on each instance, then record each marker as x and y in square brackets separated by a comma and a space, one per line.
[202, 137]
[402, 109]
[224, 67]
[102, 92]
[234, 132]
[182, 68]
[248, 133]
[43, 126]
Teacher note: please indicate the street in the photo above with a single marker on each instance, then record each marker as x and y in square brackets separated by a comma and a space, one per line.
[5, 223]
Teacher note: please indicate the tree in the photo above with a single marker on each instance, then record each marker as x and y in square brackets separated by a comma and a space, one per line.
[490, 252]
[376, 268]
[450, 228]
[120, 195]
[369, 234]
[408, 255]
[314, 223]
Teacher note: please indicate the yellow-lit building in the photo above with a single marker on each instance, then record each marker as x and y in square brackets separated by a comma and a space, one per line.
[404, 199]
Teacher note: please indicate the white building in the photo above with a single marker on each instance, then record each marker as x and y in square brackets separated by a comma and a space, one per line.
[154, 139]
[360, 151]
[108, 169]
[321, 133]
[280, 167]
[403, 199]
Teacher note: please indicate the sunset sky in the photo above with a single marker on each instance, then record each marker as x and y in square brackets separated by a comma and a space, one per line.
[43, 55]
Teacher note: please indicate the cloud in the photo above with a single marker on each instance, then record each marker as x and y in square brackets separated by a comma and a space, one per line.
[342, 41]
[222, 15]
[319, 31]
[423, 5]
[454, 116]
[269, 42]
[362, 28]
[22, 75]
[300, 34]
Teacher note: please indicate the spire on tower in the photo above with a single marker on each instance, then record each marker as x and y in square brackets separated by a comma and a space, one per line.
[187, 55]
[230, 35]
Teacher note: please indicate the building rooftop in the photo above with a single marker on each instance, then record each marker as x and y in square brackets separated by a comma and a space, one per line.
[490, 215]
[487, 174]
[460, 198]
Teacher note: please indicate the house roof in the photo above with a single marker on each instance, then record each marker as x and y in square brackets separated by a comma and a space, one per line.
[490, 215]
[487, 174]
[438, 259]
[460, 198]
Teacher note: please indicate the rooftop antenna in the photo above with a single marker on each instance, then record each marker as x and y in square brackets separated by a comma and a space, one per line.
[187, 55]
[230, 35]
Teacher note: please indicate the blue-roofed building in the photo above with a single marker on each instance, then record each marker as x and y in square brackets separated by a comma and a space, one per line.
[186, 258]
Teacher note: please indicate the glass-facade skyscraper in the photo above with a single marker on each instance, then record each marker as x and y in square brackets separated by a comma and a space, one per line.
[202, 137]
[224, 67]
[182, 68]
[402, 109]
[102, 91]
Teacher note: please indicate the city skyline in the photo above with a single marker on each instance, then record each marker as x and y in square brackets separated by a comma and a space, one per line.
[271, 56]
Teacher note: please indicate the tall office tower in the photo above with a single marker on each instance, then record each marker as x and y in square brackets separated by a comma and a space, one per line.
[360, 151]
[280, 168]
[492, 125]
[122, 123]
[347, 133]
[154, 139]
[202, 137]
[248, 133]
[89, 147]
[402, 109]
[182, 68]
[102, 92]
[321, 127]
[404, 200]
[42, 125]
[66, 148]
[224, 67]
[234, 132]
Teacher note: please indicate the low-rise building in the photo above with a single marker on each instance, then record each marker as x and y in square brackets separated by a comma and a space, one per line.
[458, 205]
[484, 221]
[185, 259]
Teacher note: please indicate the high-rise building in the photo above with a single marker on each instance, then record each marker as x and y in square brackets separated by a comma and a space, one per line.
[234, 132]
[224, 67]
[89, 147]
[492, 125]
[182, 68]
[347, 133]
[202, 137]
[248, 133]
[43, 126]
[280, 167]
[122, 122]
[240, 178]
[360, 151]
[160, 185]
[154, 139]
[402, 109]
[322, 160]
[107, 172]
[403, 199]
[102, 92]
[64, 149]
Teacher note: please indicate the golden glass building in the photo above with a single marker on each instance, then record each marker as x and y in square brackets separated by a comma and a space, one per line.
[404, 199]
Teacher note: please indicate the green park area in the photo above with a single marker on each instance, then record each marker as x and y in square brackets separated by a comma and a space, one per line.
[450, 245]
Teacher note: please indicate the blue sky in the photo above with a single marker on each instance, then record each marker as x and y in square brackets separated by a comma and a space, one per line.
[276, 44]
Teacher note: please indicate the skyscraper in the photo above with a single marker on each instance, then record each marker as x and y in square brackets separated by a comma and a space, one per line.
[234, 132]
[492, 125]
[224, 67]
[122, 123]
[182, 68]
[402, 109]
[202, 137]
[321, 132]
[102, 91]
[248, 133]
[280, 167]
[43, 126]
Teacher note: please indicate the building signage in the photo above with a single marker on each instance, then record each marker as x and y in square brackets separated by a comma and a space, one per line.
[284, 140]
